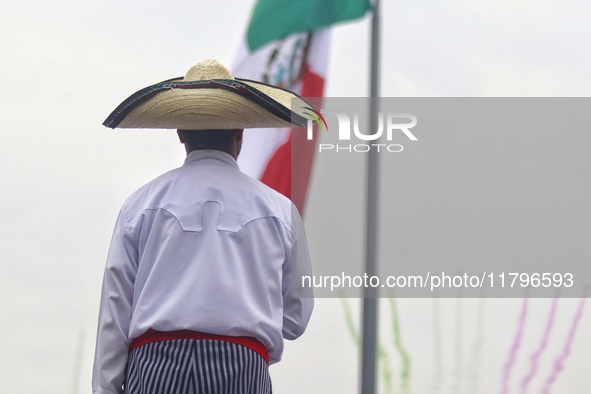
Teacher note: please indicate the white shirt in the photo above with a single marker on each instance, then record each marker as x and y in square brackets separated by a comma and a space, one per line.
[203, 247]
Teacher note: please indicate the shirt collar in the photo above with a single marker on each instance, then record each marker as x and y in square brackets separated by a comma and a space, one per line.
[210, 154]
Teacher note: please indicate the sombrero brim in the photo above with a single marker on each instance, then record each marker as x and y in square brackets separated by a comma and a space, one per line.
[210, 105]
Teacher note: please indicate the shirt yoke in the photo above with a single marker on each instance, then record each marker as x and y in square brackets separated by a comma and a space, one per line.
[183, 193]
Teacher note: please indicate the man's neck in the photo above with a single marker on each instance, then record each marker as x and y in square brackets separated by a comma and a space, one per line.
[231, 152]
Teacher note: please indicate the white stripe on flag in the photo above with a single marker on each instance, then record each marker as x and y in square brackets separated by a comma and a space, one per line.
[261, 144]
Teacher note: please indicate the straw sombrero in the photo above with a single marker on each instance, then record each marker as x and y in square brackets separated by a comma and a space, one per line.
[210, 98]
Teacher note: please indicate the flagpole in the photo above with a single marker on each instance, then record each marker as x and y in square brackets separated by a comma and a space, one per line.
[370, 301]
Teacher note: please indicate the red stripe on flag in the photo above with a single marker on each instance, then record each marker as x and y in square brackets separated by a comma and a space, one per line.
[278, 173]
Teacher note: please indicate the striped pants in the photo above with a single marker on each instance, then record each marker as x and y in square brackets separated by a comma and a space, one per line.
[188, 366]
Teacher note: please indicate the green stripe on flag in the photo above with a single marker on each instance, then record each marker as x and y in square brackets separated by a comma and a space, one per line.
[275, 19]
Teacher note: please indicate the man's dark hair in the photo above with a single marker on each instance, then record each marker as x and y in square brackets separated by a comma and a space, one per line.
[209, 139]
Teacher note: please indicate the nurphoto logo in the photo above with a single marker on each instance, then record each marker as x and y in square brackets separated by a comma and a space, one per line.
[348, 131]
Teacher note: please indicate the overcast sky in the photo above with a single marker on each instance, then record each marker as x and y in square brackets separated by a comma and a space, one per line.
[66, 64]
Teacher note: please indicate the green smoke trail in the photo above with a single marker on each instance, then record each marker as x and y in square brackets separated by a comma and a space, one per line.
[383, 356]
[384, 359]
[477, 348]
[405, 372]
[350, 323]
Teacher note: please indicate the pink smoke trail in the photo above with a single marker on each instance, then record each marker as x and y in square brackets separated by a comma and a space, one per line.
[535, 357]
[459, 346]
[514, 348]
[437, 345]
[559, 362]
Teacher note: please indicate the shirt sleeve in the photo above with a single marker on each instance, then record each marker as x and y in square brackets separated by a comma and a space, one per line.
[115, 312]
[298, 302]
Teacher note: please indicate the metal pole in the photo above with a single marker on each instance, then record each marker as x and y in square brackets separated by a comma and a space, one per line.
[370, 302]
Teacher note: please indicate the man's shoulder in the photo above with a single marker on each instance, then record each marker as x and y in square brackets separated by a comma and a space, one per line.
[269, 192]
[267, 201]
[145, 197]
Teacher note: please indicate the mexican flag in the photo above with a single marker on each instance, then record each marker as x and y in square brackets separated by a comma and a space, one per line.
[287, 45]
